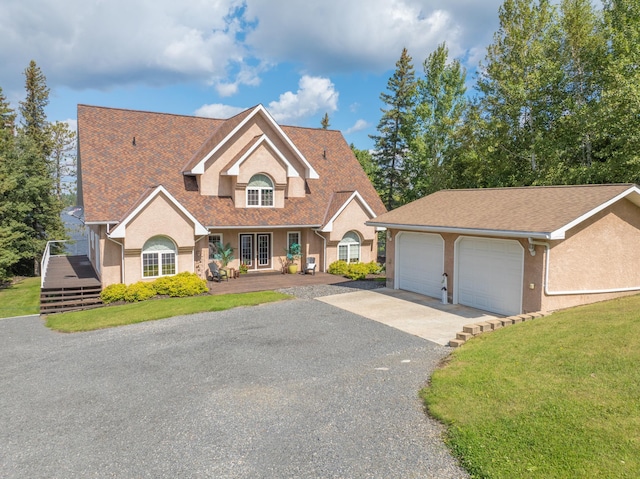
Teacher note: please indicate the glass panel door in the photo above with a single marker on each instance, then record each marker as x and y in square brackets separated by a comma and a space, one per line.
[246, 249]
[264, 250]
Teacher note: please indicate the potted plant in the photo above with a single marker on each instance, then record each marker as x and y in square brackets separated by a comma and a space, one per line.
[293, 254]
[224, 255]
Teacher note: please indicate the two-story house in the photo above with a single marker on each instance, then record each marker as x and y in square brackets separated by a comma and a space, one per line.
[159, 191]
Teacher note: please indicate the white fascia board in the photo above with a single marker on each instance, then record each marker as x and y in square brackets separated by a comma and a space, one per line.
[311, 173]
[259, 227]
[464, 231]
[561, 232]
[329, 226]
[120, 230]
[235, 168]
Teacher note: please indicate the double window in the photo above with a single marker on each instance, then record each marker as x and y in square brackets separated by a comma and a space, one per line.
[349, 247]
[159, 257]
[260, 191]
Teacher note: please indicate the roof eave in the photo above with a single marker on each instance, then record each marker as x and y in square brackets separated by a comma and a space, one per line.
[543, 235]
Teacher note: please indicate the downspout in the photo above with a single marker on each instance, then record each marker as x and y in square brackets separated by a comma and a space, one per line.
[324, 255]
[121, 254]
[548, 292]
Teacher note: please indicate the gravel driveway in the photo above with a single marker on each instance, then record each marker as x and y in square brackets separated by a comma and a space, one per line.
[296, 389]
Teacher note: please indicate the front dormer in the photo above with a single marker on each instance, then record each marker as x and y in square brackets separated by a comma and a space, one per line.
[250, 159]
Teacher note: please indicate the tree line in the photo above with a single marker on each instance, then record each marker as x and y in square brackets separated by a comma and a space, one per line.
[555, 101]
[35, 157]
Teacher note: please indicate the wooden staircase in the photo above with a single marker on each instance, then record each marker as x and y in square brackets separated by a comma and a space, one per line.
[70, 284]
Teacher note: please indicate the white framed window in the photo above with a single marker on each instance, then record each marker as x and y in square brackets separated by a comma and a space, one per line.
[349, 247]
[214, 239]
[159, 257]
[293, 237]
[260, 191]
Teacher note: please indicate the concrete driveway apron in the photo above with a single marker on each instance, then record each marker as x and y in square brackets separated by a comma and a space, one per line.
[412, 313]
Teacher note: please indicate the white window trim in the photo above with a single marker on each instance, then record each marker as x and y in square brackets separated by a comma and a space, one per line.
[294, 233]
[209, 243]
[351, 245]
[159, 253]
[260, 189]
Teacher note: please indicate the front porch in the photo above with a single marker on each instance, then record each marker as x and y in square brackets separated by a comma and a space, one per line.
[257, 281]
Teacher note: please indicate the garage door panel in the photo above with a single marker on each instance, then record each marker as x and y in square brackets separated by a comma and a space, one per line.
[489, 274]
[420, 263]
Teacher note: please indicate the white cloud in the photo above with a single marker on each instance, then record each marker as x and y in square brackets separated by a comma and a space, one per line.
[218, 110]
[98, 43]
[334, 35]
[358, 126]
[314, 95]
[102, 44]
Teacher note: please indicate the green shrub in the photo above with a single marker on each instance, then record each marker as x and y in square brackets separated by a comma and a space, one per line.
[163, 285]
[187, 284]
[113, 293]
[139, 291]
[339, 268]
[373, 267]
[357, 271]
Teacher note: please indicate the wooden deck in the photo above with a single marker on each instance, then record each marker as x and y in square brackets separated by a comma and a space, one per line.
[255, 281]
[70, 284]
[70, 272]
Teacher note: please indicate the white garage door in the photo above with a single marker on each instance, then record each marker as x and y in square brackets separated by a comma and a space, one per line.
[489, 274]
[420, 263]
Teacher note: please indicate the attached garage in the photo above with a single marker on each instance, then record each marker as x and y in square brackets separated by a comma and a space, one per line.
[420, 260]
[489, 274]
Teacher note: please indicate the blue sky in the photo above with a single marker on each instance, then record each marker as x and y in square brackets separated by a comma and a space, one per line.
[215, 58]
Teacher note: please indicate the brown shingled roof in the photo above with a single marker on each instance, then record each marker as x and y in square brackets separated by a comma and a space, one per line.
[114, 172]
[543, 210]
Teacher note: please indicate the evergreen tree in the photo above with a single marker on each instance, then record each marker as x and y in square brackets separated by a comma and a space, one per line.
[439, 111]
[32, 109]
[325, 121]
[7, 116]
[395, 132]
[63, 158]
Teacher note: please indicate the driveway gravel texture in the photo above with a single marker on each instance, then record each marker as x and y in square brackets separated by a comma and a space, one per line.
[295, 389]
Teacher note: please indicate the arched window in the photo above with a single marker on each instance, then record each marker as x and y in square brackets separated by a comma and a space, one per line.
[260, 191]
[349, 247]
[158, 257]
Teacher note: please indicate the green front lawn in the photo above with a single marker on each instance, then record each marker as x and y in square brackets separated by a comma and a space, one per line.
[557, 397]
[20, 298]
[150, 310]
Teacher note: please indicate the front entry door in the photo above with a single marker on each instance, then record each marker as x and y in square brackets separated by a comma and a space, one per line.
[255, 250]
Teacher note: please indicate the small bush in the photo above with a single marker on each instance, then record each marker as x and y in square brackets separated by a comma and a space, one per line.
[357, 271]
[339, 268]
[187, 284]
[163, 285]
[139, 291]
[113, 293]
[373, 267]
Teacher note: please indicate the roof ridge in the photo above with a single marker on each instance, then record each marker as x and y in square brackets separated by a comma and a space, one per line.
[531, 187]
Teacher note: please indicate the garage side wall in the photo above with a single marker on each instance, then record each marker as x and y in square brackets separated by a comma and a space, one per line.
[601, 254]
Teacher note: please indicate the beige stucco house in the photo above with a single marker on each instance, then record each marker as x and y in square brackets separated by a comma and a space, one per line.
[159, 191]
[517, 250]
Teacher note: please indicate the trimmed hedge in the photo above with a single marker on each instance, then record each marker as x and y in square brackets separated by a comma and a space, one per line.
[179, 285]
[354, 270]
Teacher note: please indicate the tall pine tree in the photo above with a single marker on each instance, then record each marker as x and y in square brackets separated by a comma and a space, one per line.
[395, 131]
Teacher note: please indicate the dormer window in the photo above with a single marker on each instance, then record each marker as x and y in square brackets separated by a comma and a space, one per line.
[260, 191]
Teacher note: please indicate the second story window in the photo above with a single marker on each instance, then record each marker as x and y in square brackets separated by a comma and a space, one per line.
[260, 191]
